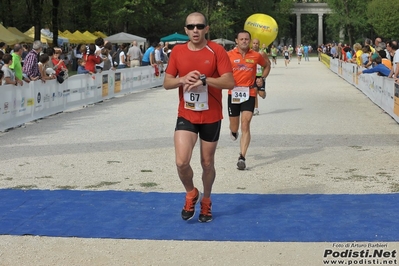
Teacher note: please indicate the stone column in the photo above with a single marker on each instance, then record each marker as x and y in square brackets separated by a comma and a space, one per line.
[320, 36]
[298, 28]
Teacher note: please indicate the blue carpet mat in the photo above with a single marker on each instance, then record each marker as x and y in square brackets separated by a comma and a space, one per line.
[237, 217]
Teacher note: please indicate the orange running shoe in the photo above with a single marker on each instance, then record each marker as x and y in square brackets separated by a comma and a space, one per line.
[189, 208]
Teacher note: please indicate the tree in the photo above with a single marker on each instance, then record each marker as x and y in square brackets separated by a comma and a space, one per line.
[350, 16]
[384, 16]
[35, 8]
[56, 4]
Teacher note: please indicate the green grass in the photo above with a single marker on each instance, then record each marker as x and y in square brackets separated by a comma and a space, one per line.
[67, 187]
[395, 187]
[148, 184]
[102, 184]
[46, 176]
[24, 187]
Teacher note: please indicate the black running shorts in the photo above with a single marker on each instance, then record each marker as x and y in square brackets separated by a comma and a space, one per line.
[207, 132]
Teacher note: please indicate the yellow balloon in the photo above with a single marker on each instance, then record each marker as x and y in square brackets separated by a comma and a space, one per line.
[262, 27]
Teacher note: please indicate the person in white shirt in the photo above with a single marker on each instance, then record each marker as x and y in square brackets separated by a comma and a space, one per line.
[393, 49]
[99, 42]
[122, 57]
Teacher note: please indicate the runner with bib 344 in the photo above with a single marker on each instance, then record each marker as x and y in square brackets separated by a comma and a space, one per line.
[241, 100]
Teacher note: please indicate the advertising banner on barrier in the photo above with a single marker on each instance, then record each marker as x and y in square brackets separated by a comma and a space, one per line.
[396, 99]
[381, 90]
[35, 100]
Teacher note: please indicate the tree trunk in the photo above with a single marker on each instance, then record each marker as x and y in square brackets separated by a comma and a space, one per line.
[56, 4]
[35, 8]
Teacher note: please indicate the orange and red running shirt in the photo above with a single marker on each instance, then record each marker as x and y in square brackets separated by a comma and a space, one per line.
[212, 61]
[244, 68]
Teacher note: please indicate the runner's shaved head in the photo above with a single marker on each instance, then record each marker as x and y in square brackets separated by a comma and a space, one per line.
[197, 14]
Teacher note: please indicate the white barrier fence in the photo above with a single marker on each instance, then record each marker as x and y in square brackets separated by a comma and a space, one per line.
[381, 90]
[34, 100]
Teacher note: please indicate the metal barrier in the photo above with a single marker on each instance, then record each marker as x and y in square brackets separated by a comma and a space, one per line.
[34, 100]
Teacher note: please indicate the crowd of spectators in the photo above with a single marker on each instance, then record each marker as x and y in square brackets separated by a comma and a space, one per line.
[378, 57]
[21, 63]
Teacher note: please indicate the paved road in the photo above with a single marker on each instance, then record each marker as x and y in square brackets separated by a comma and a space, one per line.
[315, 134]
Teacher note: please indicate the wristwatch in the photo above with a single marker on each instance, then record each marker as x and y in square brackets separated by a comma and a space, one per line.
[203, 79]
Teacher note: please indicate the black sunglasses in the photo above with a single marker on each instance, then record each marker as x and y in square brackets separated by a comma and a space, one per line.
[192, 26]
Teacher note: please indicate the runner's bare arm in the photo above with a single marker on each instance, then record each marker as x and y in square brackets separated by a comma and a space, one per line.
[225, 81]
[191, 80]
[267, 66]
[172, 82]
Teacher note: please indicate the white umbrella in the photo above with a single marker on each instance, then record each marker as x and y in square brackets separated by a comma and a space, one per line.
[223, 41]
[123, 37]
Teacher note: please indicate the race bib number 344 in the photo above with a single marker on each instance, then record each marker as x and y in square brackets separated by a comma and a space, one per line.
[239, 94]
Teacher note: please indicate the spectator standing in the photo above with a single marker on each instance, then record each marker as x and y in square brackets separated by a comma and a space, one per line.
[90, 56]
[134, 55]
[395, 62]
[158, 58]
[121, 57]
[59, 64]
[108, 63]
[3, 47]
[81, 67]
[16, 64]
[77, 54]
[9, 76]
[340, 51]
[366, 56]
[24, 53]
[384, 58]
[369, 42]
[46, 72]
[334, 51]
[357, 58]
[306, 52]
[99, 42]
[31, 67]
[147, 57]
[377, 42]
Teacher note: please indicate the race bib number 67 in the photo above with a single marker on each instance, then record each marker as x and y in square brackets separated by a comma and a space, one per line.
[197, 99]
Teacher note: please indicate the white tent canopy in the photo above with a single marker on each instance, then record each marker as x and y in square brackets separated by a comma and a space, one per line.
[223, 41]
[124, 37]
[49, 34]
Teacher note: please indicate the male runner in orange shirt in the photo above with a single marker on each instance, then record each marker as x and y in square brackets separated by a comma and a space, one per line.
[200, 69]
[241, 99]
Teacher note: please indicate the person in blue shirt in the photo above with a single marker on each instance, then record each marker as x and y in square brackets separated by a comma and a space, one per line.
[81, 67]
[379, 68]
[306, 52]
[148, 57]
